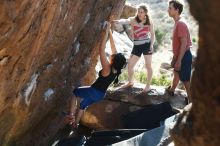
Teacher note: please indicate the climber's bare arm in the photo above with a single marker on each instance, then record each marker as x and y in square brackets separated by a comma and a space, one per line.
[112, 43]
[103, 58]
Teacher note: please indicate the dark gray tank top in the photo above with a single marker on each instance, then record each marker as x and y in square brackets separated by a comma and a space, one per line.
[102, 83]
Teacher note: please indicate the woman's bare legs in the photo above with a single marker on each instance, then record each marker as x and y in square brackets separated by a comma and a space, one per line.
[131, 64]
[148, 61]
[73, 107]
[79, 115]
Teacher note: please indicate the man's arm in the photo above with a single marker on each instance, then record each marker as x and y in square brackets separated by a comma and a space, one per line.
[183, 41]
[103, 58]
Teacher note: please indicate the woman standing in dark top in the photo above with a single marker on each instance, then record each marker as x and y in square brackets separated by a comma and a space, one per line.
[110, 71]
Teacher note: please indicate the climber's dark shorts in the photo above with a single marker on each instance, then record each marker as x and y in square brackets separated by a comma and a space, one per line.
[186, 67]
[138, 50]
[89, 95]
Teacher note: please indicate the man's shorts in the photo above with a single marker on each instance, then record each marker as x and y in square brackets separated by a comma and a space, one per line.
[186, 67]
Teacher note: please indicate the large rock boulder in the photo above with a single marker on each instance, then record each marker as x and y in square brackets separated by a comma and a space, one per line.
[128, 11]
[108, 113]
[46, 47]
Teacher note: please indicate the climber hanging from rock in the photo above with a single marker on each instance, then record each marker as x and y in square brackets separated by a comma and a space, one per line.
[87, 95]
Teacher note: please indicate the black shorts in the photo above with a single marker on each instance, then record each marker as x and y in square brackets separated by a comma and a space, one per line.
[138, 50]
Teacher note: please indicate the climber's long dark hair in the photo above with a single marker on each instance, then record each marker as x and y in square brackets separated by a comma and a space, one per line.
[146, 16]
[118, 63]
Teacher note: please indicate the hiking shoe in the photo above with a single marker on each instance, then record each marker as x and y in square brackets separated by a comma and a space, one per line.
[171, 93]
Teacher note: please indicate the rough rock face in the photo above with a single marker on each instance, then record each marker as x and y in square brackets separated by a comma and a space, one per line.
[200, 126]
[45, 48]
[107, 114]
[128, 11]
[90, 76]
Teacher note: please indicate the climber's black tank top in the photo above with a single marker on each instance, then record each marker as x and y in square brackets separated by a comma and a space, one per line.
[102, 83]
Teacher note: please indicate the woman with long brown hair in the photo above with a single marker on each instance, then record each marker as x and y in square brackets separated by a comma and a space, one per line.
[143, 39]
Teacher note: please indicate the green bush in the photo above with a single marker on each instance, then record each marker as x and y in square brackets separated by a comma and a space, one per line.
[141, 76]
[123, 76]
[194, 40]
[159, 36]
[161, 81]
